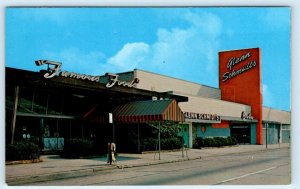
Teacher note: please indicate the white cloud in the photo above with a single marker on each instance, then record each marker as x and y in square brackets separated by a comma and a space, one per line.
[210, 24]
[131, 55]
[177, 52]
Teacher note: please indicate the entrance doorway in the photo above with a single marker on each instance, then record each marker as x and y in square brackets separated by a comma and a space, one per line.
[241, 132]
[184, 133]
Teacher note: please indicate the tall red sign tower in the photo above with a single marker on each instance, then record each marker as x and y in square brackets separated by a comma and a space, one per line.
[240, 81]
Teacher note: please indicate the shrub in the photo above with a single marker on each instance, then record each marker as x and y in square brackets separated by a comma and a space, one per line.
[231, 140]
[77, 147]
[150, 144]
[170, 143]
[209, 142]
[198, 142]
[219, 141]
[23, 150]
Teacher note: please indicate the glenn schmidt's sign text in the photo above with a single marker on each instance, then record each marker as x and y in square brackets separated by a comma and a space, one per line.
[233, 61]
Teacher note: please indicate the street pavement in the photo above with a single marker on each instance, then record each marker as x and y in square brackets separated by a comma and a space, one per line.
[54, 167]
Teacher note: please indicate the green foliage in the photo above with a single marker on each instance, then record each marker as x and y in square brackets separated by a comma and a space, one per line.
[169, 139]
[168, 131]
[24, 150]
[170, 143]
[232, 140]
[198, 142]
[214, 142]
[77, 147]
[151, 144]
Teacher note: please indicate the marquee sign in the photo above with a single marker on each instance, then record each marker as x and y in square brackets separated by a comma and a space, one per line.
[54, 69]
[233, 61]
[240, 82]
[200, 116]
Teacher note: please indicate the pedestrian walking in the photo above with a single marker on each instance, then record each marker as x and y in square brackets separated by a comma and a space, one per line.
[109, 153]
[113, 152]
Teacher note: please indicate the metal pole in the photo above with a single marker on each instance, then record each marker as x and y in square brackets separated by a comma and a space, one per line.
[279, 134]
[182, 140]
[159, 140]
[41, 134]
[139, 142]
[266, 135]
[57, 135]
[47, 103]
[14, 116]
[70, 129]
[82, 129]
[32, 101]
[114, 133]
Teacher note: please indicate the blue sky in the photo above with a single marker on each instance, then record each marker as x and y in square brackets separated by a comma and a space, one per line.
[178, 42]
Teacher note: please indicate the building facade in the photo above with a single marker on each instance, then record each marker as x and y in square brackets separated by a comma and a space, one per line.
[54, 105]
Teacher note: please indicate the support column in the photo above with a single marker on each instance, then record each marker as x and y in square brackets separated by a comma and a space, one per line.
[190, 135]
[41, 134]
[139, 142]
[159, 140]
[14, 114]
[280, 134]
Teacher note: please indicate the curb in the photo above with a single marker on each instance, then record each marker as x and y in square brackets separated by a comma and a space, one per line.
[86, 172]
[54, 176]
[38, 160]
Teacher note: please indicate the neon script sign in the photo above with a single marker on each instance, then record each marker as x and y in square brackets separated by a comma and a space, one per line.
[247, 116]
[233, 61]
[54, 68]
[114, 79]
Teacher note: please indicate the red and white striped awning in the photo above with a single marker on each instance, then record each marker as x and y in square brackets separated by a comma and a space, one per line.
[144, 111]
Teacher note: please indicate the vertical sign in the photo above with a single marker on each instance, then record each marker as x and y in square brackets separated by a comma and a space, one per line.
[240, 81]
[110, 117]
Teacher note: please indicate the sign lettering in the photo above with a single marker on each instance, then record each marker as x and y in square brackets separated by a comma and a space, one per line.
[192, 115]
[114, 79]
[247, 116]
[233, 61]
[79, 76]
[54, 69]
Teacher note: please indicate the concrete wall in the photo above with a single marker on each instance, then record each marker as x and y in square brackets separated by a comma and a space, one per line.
[211, 132]
[213, 106]
[273, 133]
[272, 115]
[253, 133]
[156, 82]
[285, 135]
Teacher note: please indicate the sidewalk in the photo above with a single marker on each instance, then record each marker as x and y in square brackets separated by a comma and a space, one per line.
[53, 167]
